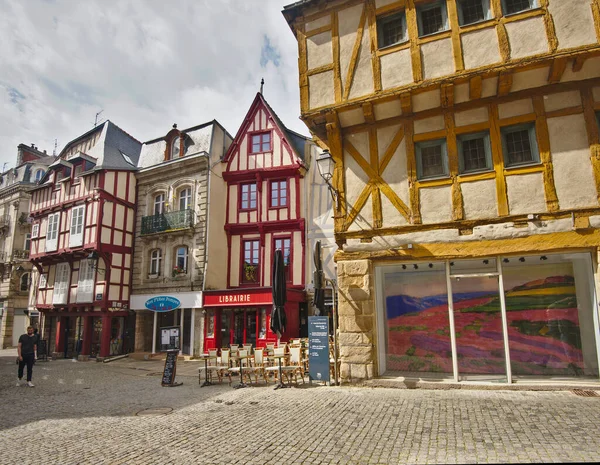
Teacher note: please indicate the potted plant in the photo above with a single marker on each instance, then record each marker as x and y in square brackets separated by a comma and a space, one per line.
[178, 271]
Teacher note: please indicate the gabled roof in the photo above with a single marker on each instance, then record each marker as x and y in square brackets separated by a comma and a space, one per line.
[296, 141]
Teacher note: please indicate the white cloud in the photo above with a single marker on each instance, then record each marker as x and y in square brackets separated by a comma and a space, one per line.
[146, 63]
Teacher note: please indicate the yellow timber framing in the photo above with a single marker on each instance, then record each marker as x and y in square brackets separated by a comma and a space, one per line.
[374, 170]
[369, 20]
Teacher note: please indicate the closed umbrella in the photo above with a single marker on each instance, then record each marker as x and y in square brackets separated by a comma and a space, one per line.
[278, 318]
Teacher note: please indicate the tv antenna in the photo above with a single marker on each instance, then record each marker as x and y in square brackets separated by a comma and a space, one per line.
[55, 146]
[96, 119]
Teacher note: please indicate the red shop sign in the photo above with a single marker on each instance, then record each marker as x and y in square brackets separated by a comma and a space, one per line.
[229, 299]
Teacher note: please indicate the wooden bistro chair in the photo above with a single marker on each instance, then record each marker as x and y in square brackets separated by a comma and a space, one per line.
[248, 348]
[234, 349]
[242, 367]
[274, 368]
[223, 366]
[295, 366]
[259, 365]
[213, 365]
[270, 346]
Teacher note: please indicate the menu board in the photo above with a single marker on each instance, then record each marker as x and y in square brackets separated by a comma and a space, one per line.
[168, 377]
[318, 348]
[169, 338]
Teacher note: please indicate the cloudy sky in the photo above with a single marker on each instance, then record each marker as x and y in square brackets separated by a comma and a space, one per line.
[146, 64]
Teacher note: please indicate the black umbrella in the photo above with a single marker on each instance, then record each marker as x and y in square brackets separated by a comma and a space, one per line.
[278, 319]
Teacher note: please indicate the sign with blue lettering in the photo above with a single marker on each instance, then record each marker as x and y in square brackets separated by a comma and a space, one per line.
[162, 303]
[318, 348]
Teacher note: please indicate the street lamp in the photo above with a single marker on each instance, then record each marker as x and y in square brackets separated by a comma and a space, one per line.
[93, 257]
[326, 165]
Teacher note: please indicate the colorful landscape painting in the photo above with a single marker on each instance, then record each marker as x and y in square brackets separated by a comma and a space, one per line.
[543, 325]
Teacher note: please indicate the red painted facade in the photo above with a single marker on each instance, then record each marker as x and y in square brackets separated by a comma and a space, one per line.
[262, 153]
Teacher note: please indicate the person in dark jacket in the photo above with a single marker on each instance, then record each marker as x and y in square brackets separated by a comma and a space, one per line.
[27, 350]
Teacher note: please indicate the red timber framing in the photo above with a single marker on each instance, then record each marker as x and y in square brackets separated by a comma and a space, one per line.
[100, 309]
[277, 160]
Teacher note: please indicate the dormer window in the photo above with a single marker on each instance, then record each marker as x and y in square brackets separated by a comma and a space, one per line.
[77, 171]
[59, 175]
[176, 148]
[39, 174]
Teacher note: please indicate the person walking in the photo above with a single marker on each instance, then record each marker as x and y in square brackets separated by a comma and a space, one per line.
[27, 350]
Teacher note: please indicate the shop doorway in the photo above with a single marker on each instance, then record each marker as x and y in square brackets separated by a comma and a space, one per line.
[96, 336]
[224, 334]
[251, 328]
[187, 331]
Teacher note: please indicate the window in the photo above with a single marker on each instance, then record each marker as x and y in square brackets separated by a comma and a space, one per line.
[155, 261]
[159, 204]
[473, 11]
[27, 245]
[248, 197]
[85, 284]
[76, 172]
[251, 262]
[181, 261]
[261, 142]
[279, 196]
[391, 30]
[432, 18]
[43, 281]
[432, 159]
[61, 284]
[519, 145]
[35, 231]
[39, 174]
[24, 282]
[52, 234]
[510, 7]
[176, 147]
[474, 153]
[285, 246]
[77, 218]
[185, 198]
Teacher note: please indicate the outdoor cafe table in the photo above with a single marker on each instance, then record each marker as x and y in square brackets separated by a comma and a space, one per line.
[239, 359]
[281, 383]
[206, 358]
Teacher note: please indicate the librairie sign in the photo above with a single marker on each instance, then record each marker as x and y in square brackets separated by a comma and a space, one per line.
[162, 303]
[223, 299]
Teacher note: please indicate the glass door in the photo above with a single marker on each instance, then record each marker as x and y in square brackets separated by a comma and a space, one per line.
[251, 328]
[224, 333]
[238, 327]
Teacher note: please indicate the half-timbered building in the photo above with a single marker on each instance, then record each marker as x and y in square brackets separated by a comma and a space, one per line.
[466, 146]
[83, 215]
[265, 211]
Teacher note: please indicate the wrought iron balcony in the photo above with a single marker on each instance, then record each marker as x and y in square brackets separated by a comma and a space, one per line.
[167, 222]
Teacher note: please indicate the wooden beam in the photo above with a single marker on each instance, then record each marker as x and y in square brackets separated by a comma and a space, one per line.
[505, 81]
[375, 190]
[550, 29]
[447, 93]
[559, 65]
[415, 209]
[354, 56]
[406, 103]
[368, 112]
[475, 87]
[578, 63]
[413, 34]
[335, 45]
[459, 62]
[334, 139]
[302, 69]
[587, 98]
[503, 42]
[375, 63]
[498, 161]
[596, 16]
[543, 140]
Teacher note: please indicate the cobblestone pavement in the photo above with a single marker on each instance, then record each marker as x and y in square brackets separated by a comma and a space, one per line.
[86, 413]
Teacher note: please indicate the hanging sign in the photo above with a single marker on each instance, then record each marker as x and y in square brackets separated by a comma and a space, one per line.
[162, 303]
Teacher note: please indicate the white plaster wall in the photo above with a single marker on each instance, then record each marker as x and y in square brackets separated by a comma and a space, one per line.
[387, 109]
[435, 123]
[396, 69]
[390, 214]
[320, 88]
[527, 37]
[317, 23]
[348, 20]
[436, 204]
[426, 100]
[562, 100]
[356, 178]
[319, 50]
[477, 115]
[360, 141]
[362, 84]
[526, 193]
[573, 22]
[529, 79]
[570, 149]
[364, 220]
[384, 138]
[480, 48]
[396, 175]
[438, 59]
[351, 117]
[516, 108]
[591, 69]
[479, 199]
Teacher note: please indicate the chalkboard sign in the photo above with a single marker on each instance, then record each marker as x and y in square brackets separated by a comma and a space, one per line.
[318, 348]
[42, 350]
[168, 377]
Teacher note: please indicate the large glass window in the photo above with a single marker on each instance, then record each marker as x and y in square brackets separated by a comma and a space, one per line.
[391, 29]
[432, 18]
[248, 196]
[159, 204]
[251, 262]
[279, 194]
[181, 261]
[520, 145]
[260, 142]
[185, 198]
[285, 246]
[473, 11]
[432, 159]
[155, 261]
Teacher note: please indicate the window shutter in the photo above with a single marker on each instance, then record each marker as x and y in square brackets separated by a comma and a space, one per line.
[52, 233]
[35, 230]
[61, 284]
[85, 285]
[76, 235]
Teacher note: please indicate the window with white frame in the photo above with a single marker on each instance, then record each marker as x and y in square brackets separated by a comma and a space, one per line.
[432, 159]
[77, 172]
[76, 231]
[473, 11]
[24, 282]
[248, 196]
[43, 281]
[510, 7]
[176, 147]
[159, 204]
[185, 198]
[474, 152]
[391, 29]
[27, 244]
[39, 174]
[52, 233]
[35, 231]
[85, 284]
[432, 17]
[519, 145]
[155, 261]
[61, 284]
[181, 260]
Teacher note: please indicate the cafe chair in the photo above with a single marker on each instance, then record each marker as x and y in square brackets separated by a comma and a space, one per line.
[258, 367]
[295, 366]
[242, 367]
[273, 369]
[270, 346]
[223, 366]
[234, 349]
[248, 348]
